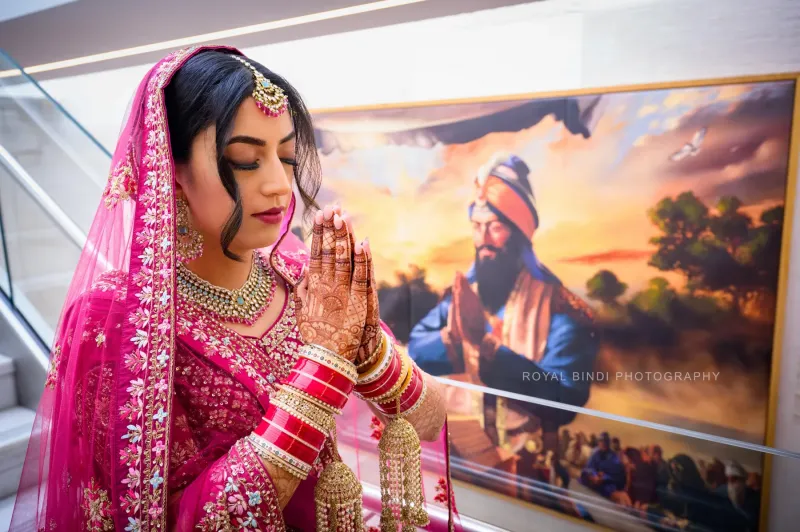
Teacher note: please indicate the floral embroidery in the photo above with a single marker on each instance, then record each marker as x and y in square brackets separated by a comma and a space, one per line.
[264, 367]
[52, 374]
[377, 428]
[96, 508]
[290, 271]
[121, 185]
[441, 491]
[147, 355]
[240, 504]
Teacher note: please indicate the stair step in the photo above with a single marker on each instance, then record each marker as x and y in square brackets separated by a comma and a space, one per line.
[15, 430]
[6, 509]
[8, 388]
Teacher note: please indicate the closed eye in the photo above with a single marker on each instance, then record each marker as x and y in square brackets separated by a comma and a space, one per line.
[244, 166]
[290, 162]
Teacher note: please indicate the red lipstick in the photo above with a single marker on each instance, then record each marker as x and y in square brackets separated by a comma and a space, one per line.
[271, 216]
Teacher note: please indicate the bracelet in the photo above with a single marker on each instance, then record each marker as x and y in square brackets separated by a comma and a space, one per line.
[405, 377]
[415, 406]
[311, 399]
[375, 354]
[407, 395]
[324, 374]
[293, 425]
[268, 451]
[314, 387]
[330, 359]
[380, 367]
[289, 445]
[387, 380]
[304, 411]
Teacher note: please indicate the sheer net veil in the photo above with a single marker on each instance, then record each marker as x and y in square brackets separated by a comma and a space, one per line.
[100, 449]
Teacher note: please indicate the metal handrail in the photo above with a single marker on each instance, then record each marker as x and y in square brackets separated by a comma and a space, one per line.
[44, 201]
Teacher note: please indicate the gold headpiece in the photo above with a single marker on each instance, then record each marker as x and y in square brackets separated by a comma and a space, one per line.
[269, 97]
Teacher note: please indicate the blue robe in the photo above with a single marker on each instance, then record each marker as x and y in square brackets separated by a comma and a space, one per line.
[609, 464]
[571, 347]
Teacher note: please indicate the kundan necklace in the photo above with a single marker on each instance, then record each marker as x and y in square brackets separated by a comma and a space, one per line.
[243, 305]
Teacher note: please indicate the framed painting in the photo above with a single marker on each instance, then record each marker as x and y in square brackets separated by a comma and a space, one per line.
[620, 250]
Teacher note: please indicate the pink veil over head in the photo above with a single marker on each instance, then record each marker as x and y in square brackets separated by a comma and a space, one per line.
[99, 454]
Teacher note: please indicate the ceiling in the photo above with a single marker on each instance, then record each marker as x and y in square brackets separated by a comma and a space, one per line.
[86, 27]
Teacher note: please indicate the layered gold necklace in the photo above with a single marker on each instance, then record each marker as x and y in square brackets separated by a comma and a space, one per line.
[243, 305]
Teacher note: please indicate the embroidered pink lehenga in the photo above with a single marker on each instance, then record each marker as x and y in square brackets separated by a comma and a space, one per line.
[141, 422]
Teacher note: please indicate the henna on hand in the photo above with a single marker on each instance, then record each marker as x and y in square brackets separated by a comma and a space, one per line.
[372, 325]
[333, 308]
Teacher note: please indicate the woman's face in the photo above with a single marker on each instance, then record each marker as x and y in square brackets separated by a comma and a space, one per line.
[261, 154]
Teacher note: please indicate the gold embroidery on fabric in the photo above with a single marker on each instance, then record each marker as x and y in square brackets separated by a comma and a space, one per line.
[121, 185]
[148, 359]
[289, 272]
[265, 366]
[52, 374]
[96, 508]
[238, 503]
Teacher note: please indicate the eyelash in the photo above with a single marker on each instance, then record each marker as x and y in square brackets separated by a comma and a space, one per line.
[255, 165]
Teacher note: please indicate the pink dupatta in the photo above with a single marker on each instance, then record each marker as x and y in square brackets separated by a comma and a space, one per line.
[100, 451]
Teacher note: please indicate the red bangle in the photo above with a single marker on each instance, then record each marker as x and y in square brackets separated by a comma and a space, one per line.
[325, 393]
[325, 374]
[408, 398]
[290, 445]
[385, 382]
[293, 425]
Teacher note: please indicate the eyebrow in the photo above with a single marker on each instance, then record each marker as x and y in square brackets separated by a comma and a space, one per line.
[288, 137]
[247, 139]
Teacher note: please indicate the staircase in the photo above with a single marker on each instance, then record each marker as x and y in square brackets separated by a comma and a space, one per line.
[15, 429]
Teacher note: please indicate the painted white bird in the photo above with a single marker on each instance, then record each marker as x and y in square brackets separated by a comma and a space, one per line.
[691, 148]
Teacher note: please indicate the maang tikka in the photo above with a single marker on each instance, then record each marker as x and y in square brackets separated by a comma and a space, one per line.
[269, 97]
[189, 241]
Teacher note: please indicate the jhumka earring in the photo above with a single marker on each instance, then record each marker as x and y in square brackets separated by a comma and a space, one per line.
[189, 241]
[270, 98]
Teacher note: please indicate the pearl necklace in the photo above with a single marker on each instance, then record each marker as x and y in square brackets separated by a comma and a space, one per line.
[243, 305]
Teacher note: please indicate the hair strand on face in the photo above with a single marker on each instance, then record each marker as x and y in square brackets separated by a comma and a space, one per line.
[207, 91]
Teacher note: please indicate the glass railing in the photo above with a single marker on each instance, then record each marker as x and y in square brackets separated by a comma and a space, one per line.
[52, 173]
[64, 159]
[600, 471]
[39, 252]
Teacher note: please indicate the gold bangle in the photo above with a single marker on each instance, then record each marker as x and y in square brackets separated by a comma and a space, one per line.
[311, 399]
[275, 456]
[407, 378]
[374, 355]
[380, 367]
[331, 360]
[415, 406]
[400, 381]
[305, 411]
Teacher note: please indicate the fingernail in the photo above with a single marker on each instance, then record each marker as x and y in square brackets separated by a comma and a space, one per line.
[359, 249]
[318, 217]
[337, 221]
[328, 212]
[366, 244]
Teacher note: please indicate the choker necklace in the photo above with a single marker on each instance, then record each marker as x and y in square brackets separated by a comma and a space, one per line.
[243, 305]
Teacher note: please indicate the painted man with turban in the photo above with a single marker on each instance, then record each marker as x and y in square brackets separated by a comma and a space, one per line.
[509, 323]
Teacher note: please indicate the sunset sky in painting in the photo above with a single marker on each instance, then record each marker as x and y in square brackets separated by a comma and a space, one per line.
[592, 194]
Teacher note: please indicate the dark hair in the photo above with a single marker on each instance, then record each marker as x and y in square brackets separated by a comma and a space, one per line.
[208, 90]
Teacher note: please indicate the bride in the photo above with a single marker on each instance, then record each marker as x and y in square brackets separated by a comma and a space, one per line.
[203, 357]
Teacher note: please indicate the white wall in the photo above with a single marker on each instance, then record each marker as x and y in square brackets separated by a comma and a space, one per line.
[553, 45]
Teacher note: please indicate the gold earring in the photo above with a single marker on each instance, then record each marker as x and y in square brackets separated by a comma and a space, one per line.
[189, 241]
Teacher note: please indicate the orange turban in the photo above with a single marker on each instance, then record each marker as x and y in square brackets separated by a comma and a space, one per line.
[504, 186]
